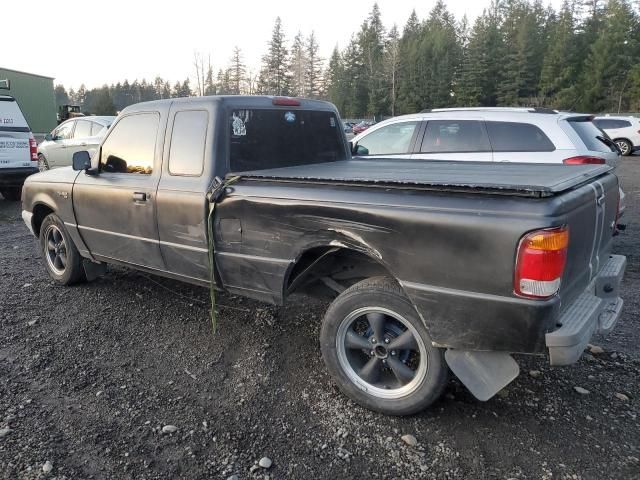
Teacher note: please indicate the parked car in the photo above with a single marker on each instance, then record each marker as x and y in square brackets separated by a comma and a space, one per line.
[361, 127]
[72, 136]
[348, 128]
[489, 134]
[625, 131]
[18, 158]
[258, 196]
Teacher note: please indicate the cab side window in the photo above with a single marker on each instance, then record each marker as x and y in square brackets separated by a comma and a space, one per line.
[64, 131]
[391, 139]
[130, 147]
[186, 154]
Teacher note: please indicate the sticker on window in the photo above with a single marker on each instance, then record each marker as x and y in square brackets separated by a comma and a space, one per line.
[290, 117]
[332, 122]
[239, 128]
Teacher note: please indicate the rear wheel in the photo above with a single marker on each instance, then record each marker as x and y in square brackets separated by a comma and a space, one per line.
[624, 146]
[61, 257]
[43, 164]
[11, 193]
[378, 350]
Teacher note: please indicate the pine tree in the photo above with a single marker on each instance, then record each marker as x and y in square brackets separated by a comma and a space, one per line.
[273, 76]
[392, 67]
[297, 71]
[559, 70]
[209, 83]
[237, 72]
[611, 54]
[335, 81]
[103, 104]
[313, 70]
[371, 40]
[62, 98]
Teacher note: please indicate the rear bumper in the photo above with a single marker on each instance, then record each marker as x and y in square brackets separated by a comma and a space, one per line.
[596, 310]
[14, 177]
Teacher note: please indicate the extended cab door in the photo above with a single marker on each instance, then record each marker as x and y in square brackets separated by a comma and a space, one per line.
[181, 201]
[116, 209]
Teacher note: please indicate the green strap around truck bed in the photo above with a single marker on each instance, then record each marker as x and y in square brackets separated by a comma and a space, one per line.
[214, 196]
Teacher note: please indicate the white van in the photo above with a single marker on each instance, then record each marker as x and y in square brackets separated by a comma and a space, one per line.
[18, 149]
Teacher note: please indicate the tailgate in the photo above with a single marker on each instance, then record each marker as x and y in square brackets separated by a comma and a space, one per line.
[14, 150]
[591, 228]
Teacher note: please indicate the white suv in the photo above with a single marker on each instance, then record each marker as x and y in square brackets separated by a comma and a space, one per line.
[18, 150]
[532, 135]
[625, 131]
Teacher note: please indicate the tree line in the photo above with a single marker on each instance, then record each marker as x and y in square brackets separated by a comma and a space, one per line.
[584, 56]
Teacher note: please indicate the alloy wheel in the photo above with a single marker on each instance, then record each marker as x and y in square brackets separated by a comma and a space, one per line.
[381, 352]
[56, 250]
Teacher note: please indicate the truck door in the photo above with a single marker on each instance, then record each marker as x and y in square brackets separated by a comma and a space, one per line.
[182, 206]
[116, 209]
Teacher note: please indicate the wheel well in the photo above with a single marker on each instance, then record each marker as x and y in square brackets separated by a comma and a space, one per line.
[625, 139]
[40, 212]
[333, 268]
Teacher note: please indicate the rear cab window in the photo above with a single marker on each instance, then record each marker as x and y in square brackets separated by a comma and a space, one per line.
[272, 138]
[589, 133]
[518, 137]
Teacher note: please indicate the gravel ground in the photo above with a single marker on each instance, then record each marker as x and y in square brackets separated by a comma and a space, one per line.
[123, 378]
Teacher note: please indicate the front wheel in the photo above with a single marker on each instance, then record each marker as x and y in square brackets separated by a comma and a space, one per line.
[61, 257]
[624, 146]
[378, 350]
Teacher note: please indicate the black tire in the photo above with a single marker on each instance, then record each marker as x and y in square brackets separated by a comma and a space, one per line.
[12, 194]
[43, 164]
[69, 270]
[625, 146]
[343, 354]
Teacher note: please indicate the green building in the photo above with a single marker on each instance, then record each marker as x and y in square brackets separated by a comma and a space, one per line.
[35, 96]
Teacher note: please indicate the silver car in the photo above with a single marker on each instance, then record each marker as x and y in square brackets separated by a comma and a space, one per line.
[531, 135]
[69, 137]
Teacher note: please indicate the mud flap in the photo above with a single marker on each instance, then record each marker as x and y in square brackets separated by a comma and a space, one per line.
[483, 373]
[93, 270]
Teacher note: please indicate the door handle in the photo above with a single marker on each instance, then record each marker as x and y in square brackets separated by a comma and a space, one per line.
[63, 146]
[84, 144]
[140, 196]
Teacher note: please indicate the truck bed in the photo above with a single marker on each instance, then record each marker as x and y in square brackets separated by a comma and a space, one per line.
[523, 179]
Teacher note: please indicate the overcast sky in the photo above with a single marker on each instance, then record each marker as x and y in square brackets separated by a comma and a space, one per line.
[97, 42]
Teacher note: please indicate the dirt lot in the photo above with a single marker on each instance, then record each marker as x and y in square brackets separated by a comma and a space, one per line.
[90, 375]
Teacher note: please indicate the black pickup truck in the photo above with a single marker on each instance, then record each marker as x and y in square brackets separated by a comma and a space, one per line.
[433, 265]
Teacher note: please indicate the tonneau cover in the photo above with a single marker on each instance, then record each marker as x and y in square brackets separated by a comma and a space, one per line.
[499, 177]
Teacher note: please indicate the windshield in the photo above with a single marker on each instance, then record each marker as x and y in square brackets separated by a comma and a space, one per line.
[262, 139]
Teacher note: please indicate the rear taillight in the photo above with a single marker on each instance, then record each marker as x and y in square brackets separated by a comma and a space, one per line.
[540, 262]
[286, 101]
[33, 148]
[584, 160]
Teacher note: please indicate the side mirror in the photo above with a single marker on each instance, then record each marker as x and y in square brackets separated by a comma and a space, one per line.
[48, 137]
[360, 151]
[81, 160]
